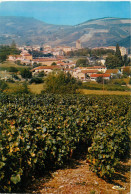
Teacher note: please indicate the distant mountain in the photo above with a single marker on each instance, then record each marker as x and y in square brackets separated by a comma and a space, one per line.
[92, 33]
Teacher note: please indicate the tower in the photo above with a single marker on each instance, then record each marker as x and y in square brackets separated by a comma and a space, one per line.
[78, 44]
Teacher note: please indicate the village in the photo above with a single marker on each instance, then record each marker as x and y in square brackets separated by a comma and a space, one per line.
[56, 59]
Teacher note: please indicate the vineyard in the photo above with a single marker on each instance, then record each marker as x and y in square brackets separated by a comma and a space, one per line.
[38, 132]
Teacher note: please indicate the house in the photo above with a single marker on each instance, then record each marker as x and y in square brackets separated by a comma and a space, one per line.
[89, 72]
[45, 69]
[68, 71]
[99, 68]
[15, 57]
[105, 76]
[113, 72]
[28, 57]
[79, 75]
[66, 64]
[96, 68]
[24, 56]
[67, 49]
[58, 53]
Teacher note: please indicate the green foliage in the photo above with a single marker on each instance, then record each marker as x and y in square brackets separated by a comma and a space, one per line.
[53, 64]
[3, 85]
[127, 70]
[25, 89]
[118, 52]
[82, 63]
[90, 52]
[41, 74]
[7, 50]
[26, 73]
[99, 79]
[15, 77]
[107, 86]
[13, 69]
[110, 145]
[10, 80]
[3, 56]
[37, 54]
[18, 62]
[38, 132]
[36, 80]
[113, 62]
[119, 82]
[60, 82]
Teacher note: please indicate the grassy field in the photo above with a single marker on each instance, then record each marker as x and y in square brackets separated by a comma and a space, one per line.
[101, 92]
[14, 87]
[36, 88]
[6, 65]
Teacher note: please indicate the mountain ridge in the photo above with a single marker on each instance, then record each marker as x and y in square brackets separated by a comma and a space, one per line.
[91, 33]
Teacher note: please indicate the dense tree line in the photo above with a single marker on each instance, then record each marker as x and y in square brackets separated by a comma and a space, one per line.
[90, 52]
[37, 54]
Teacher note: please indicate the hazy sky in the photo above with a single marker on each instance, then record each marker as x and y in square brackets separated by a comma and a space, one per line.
[66, 12]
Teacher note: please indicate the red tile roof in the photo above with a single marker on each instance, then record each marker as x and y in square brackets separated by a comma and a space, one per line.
[101, 75]
[112, 70]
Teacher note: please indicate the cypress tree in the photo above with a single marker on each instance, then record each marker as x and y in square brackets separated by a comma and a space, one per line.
[118, 52]
[118, 55]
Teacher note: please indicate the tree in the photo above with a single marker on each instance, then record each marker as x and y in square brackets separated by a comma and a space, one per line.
[7, 50]
[126, 60]
[53, 64]
[118, 52]
[26, 73]
[36, 80]
[13, 44]
[41, 74]
[82, 62]
[3, 57]
[60, 82]
[127, 70]
[113, 62]
[99, 79]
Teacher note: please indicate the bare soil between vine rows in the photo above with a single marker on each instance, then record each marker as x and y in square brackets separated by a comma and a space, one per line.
[79, 179]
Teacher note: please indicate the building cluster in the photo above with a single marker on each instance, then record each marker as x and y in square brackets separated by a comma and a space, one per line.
[63, 64]
[24, 57]
[56, 53]
[81, 73]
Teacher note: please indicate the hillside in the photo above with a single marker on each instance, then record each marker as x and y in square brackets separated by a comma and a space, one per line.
[92, 33]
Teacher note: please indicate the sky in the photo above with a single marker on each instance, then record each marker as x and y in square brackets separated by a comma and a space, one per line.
[66, 12]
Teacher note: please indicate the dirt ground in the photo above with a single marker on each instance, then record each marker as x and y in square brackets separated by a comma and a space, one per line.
[79, 179]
